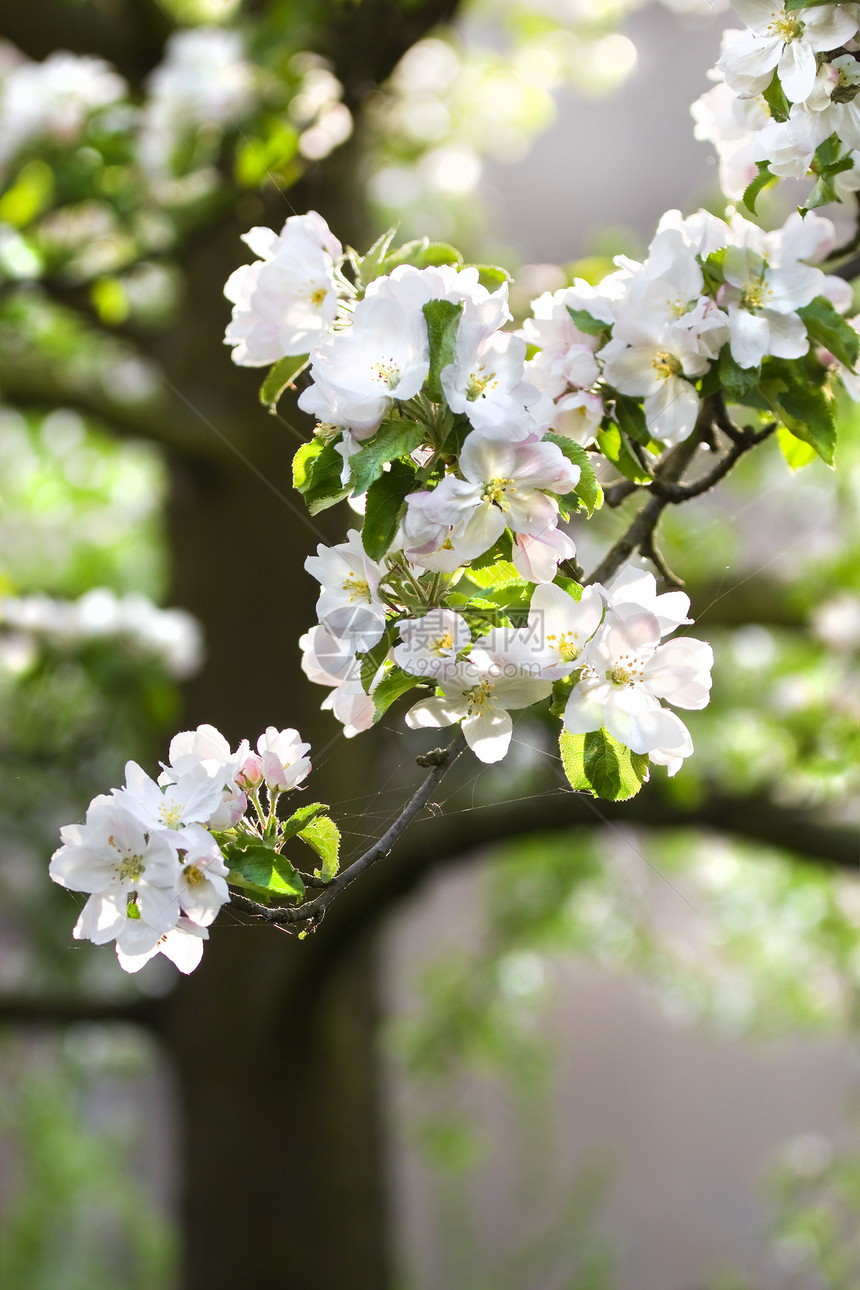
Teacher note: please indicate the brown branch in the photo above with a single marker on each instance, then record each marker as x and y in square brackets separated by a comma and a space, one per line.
[665, 488]
[312, 912]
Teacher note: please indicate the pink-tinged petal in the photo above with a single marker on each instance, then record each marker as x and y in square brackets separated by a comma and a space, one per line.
[680, 671]
[531, 512]
[488, 734]
[484, 457]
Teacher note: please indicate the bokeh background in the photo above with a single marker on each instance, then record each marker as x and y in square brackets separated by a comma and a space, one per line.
[545, 1047]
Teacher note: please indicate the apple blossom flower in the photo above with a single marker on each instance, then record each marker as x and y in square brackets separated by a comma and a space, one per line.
[286, 302]
[349, 604]
[559, 628]
[429, 646]
[130, 873]
[625, 673]
[657, 368]
[282, 754]
[360, 371]
[502, 487]
[634, 589]
[732, 125]
[479, 691]
[183, 945]
[765, 285]
[182, 807]
[485, 379]
[537, 558]
[786, 42]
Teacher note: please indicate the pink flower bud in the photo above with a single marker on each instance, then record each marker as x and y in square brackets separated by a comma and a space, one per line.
[250, 775]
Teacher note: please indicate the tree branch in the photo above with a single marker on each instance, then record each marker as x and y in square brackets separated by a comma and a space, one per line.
[665, 489]
[312, 912]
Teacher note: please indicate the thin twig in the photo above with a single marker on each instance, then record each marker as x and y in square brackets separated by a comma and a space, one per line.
[312, 912]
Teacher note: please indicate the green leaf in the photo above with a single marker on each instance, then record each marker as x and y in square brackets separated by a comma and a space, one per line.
[586, 322]
[29, 196]
[611, 443]
[394, 438]
[280, 376]
[588, 490]
[443, 321]
[494, 576]
[391, 687]
[599, 764]
[301, 818]
[259, 867]
[317, 468]
[762, 180]
[423, 254]
[492, 276]
[372, 659]
[560, 694]
[774, 97]
[323, 836]
[797, 453]
[803, 408]
[369, 266]
[385, 506]
[736, 381]
[630, 415]
[829, 328]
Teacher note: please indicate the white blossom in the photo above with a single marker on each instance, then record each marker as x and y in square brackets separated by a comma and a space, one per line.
[285, 302]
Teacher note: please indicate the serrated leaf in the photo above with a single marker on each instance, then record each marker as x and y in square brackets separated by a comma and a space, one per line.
[560, 694]
[796, 453]
[301, 818]
[588, 489]
[280, 376]
[762, 180]
[443, 321]
[317, 468]
[385, 506]
[599, 764]
[828, 328]
[391, 687]
[803, 408]
[369, 266]
[774, 97]
[494, 576]
[261, 868]
[612, 444]
[586, 322]
[323, 836]
[394, 438]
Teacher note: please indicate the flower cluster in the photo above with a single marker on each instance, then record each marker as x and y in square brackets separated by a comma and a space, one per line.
[468, 445]
[155, 856]
[784, 101]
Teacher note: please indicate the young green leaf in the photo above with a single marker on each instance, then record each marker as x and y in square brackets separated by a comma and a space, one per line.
[630, 416]
[588, 489]
[586, 322]
[385, 506]
[282, 374]
[391, 687]
[611, 443]
[736, 381]
[830, 329]
[301, 818]
[317, 468]
[763, 180]
[803, 407]
[443, 321]
[796, 453]
[599, 764]
[262, 869]
[323, 836]
[394, 438]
